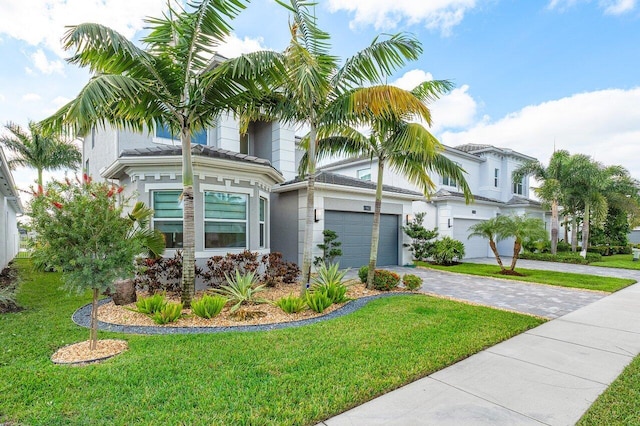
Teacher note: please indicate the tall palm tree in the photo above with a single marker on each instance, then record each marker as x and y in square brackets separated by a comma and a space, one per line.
[316, 90]
[408, 148]
[173, 82]
[39, 149]
[552, 178]
[491, 230]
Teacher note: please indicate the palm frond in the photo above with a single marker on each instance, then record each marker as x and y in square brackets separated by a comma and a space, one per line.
[431, 90]
[304, 27]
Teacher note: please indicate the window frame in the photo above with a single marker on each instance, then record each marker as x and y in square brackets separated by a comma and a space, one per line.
[172, 140]
[520, 186]
[155, 219]
[364, 176]
[262, 222]
[206, 220]
[496, 178]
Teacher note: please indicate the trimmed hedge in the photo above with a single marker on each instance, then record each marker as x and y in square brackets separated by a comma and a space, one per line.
[609, 250]
[574, 258]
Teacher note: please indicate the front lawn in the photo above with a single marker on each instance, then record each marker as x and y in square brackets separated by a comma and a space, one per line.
[562, 279]
[293, 376]
[620, 403]
[623, 261]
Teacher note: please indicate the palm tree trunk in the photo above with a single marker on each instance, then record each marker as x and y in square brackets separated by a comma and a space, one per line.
[585, 229]
[188, 225]
[517, 246]
[307, 249]
[93, 333]
[574, 233]
[555, 225]
[375, 230]
[494, 249]
[40, 177]
[566, 229]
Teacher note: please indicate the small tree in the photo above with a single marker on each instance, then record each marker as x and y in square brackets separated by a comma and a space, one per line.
[83, 233]
[330, 248]
[421, 238]
[490, 229]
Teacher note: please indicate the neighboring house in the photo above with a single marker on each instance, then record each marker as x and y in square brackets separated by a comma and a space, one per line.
[489, 170]
[10, 208]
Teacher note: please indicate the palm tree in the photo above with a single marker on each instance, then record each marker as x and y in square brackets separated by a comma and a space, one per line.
[490, 229]
[174, 82]
[553, 178]
[408, 148]
[39, 150]
[314, 89]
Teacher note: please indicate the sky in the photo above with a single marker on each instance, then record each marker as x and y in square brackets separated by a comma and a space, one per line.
[530, 75]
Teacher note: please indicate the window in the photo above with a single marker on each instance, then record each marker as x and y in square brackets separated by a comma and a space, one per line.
[364, 174]
[199, 138]
[225, 220]
[448, 181]
[263, 222]
[86, 167]
[93, 137]
[167, 217]
[517, 187]
[496, 178]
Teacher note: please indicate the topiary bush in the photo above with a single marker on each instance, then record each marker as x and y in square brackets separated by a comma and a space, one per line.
[411, 282]
[385, 280]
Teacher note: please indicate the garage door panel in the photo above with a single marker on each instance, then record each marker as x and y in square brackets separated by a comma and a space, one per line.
[473, 247]
[354, 232]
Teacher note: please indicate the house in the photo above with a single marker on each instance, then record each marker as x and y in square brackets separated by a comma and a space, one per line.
[489, 172]
[10, 208]
[248, 195]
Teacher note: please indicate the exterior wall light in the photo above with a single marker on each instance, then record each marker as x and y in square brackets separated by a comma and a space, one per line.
[318, 214]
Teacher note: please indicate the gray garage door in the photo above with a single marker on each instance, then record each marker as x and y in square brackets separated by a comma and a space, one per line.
[473, 247]
[354, 231]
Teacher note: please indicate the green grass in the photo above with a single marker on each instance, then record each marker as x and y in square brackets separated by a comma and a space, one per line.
[295, 376]
[623, 261]
[562, 279]
[620, 404]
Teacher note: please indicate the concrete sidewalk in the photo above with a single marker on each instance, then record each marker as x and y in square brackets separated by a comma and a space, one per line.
[549, 375]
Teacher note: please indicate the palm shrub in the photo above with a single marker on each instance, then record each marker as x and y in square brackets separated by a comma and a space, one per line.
[385, 280]
[241, 290]
[447, 250]
[170, 312]
[317, 301]
[208, 306]
[291, 304]
[363, 272]
[411, 282]
[151, 304]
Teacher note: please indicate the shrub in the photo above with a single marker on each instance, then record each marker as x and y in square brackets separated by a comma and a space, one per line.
[277, 270]
[385, 280]
[330, 248]
[208, 306]
[169, 313]
[574, 258]
[329, 280]
[563, 247]
[7, 300]
[593, 257]
[412, 282]
[151, 304]
[421, 238]
[161, 274]
[291, 304]
[241, 290]
[363, 272]
[447, 250]
[220, 267]
[317, 301]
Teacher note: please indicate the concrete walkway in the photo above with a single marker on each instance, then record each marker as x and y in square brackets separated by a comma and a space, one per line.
[549, 375]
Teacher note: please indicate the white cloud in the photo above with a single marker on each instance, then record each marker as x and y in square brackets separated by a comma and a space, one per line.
[31, 97]
[2, 97]
[454, 110]
[234, 46]
[45, 66]
[603, 124]
[442, 15]
[611, 7]
[43, 22]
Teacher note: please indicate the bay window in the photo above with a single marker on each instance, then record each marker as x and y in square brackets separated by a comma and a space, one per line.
[225, 220]
[167, 217]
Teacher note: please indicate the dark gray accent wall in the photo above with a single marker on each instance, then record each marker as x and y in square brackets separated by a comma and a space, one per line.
[262, 140]
[284, 224]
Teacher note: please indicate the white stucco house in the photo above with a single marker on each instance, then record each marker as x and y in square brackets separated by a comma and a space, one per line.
[10, 209]
[248, 195]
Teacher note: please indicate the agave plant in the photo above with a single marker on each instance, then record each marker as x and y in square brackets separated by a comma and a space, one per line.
[241, 290]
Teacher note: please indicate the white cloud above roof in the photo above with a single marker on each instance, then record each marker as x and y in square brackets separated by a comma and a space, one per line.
[440, 15]
[44, 65]
[604, 124]
[610, 7]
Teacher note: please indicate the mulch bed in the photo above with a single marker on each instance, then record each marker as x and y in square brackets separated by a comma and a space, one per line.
[9, 280]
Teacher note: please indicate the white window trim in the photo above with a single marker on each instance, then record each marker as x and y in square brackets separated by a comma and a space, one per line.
[496, 178]
[368, 169]
[205, 219]
[155, 219]
[263, 222]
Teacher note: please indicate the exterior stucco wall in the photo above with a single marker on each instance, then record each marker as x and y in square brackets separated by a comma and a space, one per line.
[9, 235]
[284, 225]
[100, 147]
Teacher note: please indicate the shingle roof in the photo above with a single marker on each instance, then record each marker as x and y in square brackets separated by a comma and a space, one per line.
[337, 179]
[200, 150]
[444, 193]
[523, 201]
[477, 149]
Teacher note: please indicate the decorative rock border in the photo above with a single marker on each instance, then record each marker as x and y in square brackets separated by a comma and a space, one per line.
[82, 317]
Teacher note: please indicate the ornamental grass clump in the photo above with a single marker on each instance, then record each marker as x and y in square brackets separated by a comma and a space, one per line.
[170, 312]
[208, 306]
[329, 280]
[241, 290]
[317, 301]
[291, 304]
[151, 304]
